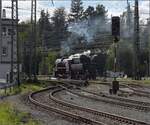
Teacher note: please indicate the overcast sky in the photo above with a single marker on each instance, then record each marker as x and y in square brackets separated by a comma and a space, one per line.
[114, 7]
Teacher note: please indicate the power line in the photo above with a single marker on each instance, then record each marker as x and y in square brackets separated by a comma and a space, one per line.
[82, 0]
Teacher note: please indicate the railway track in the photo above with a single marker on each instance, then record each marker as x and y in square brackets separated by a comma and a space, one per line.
[119, 98]
[132, 87]
[59, 110]
[92, 114]
[131, 104]
[107, 116]
[137, 91]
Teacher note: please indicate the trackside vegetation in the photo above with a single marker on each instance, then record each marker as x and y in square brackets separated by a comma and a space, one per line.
[10, 116]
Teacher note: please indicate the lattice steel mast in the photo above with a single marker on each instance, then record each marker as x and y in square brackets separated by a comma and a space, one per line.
[14, 37]
[129, 18]
[136, 42]
[0, 28]
[33, 37]
[148, 74]
[17, 40]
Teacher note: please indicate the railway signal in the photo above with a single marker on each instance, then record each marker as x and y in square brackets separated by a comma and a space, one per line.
[116, 26]
[116, 35]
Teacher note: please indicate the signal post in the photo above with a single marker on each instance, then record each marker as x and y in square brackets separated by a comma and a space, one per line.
[116, 35]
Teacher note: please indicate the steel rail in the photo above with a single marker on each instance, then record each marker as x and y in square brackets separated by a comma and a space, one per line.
[83, 0]
[127, 105]
[119, 98]
[133, 104]
[60, 111]
[99, 113]
[136, 91]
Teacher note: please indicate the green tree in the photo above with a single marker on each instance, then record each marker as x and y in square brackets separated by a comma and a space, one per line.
[24, 42]
[92, 13]
[89, 12]
[100, 24]
[59, 23]
[45, 29]
[101, 11]
[76, 10]
[110, 58]
[48, 62]
[125, 57]
[125, 60]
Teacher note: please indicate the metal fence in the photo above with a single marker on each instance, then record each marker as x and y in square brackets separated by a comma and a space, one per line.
[4, 87]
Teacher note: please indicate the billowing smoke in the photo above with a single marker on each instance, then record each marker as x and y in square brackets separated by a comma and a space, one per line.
[85, 31]
[88, 28]
[78, 55]
[127, 23]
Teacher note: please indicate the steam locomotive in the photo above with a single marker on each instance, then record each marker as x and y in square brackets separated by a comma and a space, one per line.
[77, 66]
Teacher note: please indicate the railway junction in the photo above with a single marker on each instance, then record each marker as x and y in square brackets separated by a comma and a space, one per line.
[80, 62]
[82, 104]
[76, 102]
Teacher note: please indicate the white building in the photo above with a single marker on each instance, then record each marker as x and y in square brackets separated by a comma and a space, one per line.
[5, 46]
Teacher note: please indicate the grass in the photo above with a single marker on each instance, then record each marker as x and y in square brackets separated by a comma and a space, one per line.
[30, 87]
[143, 81]
[10, 116]
[24, 88]
[8, 113]
[128, 80]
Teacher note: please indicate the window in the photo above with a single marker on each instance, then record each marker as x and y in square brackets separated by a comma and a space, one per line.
[4, 51]
[4, 31]
[9, 31]
[9, 42]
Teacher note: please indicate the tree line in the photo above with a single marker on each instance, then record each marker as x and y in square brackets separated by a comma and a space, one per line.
[52, 31]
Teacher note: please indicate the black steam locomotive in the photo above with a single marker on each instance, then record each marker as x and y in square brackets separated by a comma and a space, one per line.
[77, 66]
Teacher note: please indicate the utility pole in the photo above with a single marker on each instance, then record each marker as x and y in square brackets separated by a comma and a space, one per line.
[116, 35]
[136, 42]
[14, 37]
[33, 35]
[17, 40]
[149, 44]
[15, 63]
[0, 29]
[129, 18]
